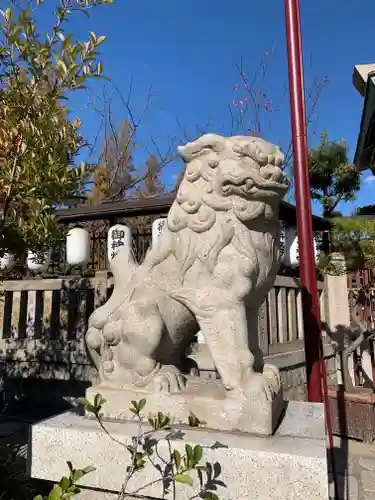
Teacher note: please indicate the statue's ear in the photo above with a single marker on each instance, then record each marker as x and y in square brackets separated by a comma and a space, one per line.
[212, 142]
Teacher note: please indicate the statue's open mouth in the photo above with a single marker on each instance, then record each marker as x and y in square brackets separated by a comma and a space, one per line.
[268, 181]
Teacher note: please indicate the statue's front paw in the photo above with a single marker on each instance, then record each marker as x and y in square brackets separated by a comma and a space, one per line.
[273, 374]
[168, 379]
[258, 386]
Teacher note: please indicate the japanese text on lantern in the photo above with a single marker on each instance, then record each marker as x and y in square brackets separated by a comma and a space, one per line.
[160, 226]
[118, 240]
[282, 238]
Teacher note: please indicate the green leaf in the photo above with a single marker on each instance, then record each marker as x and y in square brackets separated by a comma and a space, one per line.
[55, 494]
[71, 494]
[183, 478]
[162, 420]
[70, 465]
[64, 483]
[100, 40]
[39, 497]
[88, 469]
[198, 453]
[152, 422]
[65, 43]
[189, 452]
[177, 459]
[194, 421]
[76, 476]
[141, 404]
[8, 14]
[99, 401]
[62, 65]
[90, 408]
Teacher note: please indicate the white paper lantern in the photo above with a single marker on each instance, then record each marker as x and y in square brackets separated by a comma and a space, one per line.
[119, 236]
[38, 263]
[157, 228]
[291, 248]
[7, 261]
[77, 247]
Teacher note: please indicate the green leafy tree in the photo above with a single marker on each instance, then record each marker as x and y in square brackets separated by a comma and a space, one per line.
[38, 140]
[365, 210]
[355, 238]
[332, 177]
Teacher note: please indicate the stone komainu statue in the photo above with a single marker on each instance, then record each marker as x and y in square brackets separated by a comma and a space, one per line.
[211, 268]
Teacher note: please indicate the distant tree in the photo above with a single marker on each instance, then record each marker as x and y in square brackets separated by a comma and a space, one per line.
[113, 174]
[355, 238]
[151, 184]
[100, 185]
[118, 159]
[365, 210]
[332, 177]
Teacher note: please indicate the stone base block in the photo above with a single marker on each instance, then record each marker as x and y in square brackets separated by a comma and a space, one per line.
[291, 464]
[255, 413]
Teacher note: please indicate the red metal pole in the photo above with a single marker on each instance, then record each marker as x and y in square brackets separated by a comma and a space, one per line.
[315, 365]
[310, 301]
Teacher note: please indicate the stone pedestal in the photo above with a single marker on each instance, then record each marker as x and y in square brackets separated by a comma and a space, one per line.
[253, 413]
[291, 464]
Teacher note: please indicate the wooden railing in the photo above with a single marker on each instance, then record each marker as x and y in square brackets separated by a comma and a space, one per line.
[43, 322]
[280, 316]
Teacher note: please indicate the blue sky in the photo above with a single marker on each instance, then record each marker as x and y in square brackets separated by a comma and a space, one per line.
[188, 51]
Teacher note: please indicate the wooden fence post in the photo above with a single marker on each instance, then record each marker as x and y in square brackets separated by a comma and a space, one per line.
[338, 312]
[337, 295]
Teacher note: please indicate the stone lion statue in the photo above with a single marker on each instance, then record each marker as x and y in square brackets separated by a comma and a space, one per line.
[210, 269]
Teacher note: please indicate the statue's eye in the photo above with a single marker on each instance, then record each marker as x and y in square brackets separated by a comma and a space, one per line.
[206, 149]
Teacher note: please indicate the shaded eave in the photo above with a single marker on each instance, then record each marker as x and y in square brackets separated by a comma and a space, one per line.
[364, 154]
[156, 206]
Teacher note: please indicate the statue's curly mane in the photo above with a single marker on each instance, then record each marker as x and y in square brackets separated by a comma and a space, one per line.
[200, 200]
